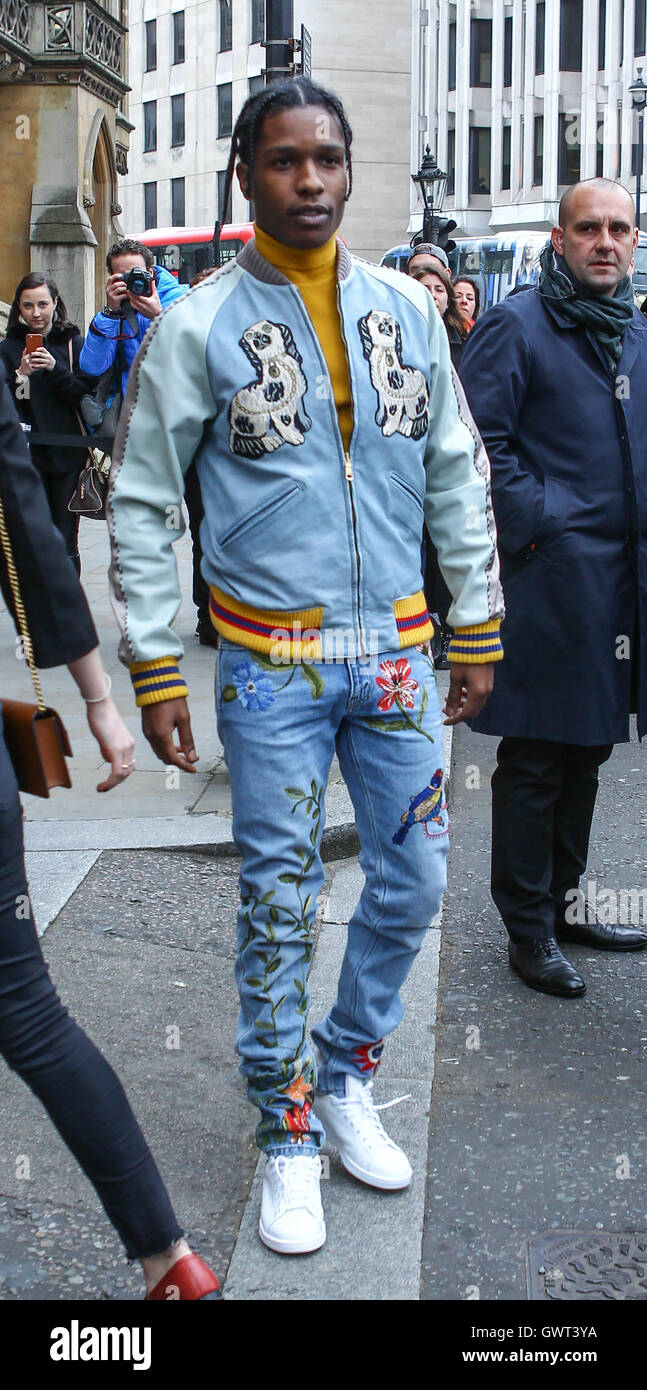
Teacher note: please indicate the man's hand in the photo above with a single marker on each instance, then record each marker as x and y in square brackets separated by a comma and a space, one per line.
[147, 304]
[469, 687]
[116, 293]
[159, 723]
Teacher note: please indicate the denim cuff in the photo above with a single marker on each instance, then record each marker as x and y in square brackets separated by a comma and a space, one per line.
[293, 1150]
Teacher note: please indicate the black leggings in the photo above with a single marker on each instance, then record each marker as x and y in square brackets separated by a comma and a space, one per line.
[59, 488]
[82, 1095]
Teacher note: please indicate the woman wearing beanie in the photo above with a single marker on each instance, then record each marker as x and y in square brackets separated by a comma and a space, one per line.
[435, 277]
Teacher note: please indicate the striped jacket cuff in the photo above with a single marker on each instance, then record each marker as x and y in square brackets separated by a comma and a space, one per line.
[154, 681]
[476, 645]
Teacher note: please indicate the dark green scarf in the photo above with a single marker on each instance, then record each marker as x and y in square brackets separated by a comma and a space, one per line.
[605, 318]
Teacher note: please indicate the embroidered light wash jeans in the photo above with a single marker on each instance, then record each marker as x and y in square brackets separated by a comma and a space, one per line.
[280, 726]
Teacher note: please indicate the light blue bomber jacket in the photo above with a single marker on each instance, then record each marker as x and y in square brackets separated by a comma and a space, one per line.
[309, 552]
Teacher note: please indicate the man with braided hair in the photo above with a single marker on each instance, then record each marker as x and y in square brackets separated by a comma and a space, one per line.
[324, 436]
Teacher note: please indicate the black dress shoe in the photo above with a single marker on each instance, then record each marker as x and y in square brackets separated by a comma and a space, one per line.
[600, 935]
[541, 965]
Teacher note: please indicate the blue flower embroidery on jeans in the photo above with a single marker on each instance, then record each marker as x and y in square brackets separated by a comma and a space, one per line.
[253, 687]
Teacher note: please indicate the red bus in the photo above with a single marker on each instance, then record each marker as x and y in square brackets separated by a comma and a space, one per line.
[187, 250]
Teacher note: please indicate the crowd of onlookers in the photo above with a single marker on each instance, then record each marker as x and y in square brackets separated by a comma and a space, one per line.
[457, 300]
[52, 373]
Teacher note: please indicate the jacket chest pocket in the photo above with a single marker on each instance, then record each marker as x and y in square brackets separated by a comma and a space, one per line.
[285, 497]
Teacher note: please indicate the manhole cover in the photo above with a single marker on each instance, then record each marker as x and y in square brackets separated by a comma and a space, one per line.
[587, 1265]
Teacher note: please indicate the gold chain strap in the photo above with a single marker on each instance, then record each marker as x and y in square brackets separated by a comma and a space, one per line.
[19, 606]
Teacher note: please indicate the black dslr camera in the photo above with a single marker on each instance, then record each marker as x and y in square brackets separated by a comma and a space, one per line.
[139, 281]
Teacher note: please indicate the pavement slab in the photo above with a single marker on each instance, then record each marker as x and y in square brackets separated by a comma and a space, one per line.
[52, 878]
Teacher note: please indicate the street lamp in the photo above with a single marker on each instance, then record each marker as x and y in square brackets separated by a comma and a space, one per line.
[432, 183]
[638, 91]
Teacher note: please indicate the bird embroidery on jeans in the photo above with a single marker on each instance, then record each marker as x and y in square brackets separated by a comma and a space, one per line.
[426, 806]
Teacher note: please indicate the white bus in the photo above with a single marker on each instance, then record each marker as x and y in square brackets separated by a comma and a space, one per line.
[498, 263]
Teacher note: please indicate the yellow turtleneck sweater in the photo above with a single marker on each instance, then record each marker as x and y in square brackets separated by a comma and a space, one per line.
[314, 274]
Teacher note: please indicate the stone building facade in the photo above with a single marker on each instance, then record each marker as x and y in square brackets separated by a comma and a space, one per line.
[64, 133]
[193, 64]
[520, 98]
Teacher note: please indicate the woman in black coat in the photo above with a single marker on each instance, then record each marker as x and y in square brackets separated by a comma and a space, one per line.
[47, 387]
[38, 1039]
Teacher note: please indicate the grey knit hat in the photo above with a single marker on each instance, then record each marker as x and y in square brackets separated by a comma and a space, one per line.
[426, 248]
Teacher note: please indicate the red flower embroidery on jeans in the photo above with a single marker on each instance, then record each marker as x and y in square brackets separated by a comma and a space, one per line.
[397, 683]
[296, 1119]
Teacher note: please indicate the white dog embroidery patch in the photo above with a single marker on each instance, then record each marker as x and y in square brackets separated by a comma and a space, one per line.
[269, 412]
[402, 394]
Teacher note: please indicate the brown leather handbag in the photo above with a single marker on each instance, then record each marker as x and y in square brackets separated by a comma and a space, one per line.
[90, 493]
[35, 735]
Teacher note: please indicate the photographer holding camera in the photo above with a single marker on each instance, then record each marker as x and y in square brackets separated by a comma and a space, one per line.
[137, 291]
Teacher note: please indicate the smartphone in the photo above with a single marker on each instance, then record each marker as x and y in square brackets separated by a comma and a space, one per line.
[34, 341]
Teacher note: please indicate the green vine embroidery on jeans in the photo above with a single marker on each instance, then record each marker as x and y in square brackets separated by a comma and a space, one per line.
[391, 726]
[269, 955]
[309, 673]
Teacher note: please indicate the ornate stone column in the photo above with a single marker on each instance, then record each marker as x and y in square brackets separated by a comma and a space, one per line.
[63, 123]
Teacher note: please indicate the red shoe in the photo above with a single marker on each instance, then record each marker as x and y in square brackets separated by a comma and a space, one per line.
[188, 1278]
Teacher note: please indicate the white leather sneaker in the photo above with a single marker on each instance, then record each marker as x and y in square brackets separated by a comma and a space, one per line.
[353, 1126]
[292, 1220]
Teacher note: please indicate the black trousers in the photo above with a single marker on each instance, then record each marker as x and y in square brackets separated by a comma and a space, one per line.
[59, 488]
[193, 499]
[81, 1093]
[436, 592]
[543, 799]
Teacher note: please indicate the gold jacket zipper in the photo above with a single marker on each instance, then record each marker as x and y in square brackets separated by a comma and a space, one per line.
[348, 471]
[348, 467]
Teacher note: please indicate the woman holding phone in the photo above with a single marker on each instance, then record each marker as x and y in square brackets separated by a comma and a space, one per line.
[39, 359]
